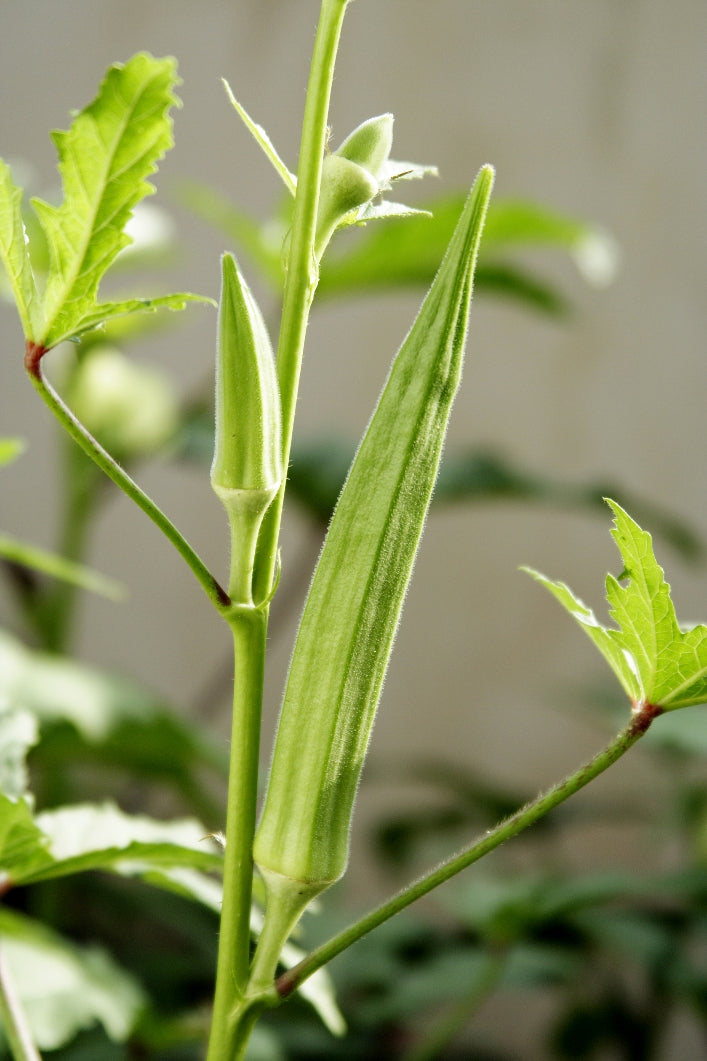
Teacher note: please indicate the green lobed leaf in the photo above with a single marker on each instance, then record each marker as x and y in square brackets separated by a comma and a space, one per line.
[173, 855]
[14, 252]
[98, 722]
[105, 157]
[22, 842]
[85, 837]
[18, 733]
[656, 662]
[64, 988]
[353, 608]
[104, 311]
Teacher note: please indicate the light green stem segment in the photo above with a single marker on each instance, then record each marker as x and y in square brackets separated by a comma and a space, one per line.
[236, 1008]
[506, 830]
[302, 272]
[12, 1017]
[233, 1009]
[216, 594]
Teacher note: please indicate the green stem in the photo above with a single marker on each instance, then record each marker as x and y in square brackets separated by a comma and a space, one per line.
[526, 816]
[232, 1016]
[302, 271]
[13, 1019]
[236, 1004]
[216, 594]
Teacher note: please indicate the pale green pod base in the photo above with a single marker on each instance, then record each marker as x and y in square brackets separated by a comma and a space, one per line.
[245, 510]
[286, 901]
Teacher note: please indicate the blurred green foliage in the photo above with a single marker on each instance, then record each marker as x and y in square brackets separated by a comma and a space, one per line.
[620, 955]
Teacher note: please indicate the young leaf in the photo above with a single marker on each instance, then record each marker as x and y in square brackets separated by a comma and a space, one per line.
[347, 629]
[656, 662]
[113, 145]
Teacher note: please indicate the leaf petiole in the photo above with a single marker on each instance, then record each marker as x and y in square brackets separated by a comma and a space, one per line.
[290, 980]
[214, 591]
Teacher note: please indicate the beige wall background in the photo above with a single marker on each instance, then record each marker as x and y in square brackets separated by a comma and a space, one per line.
[596, 108]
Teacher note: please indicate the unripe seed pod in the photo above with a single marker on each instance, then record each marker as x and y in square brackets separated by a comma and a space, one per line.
[348, 625]
[246, 473]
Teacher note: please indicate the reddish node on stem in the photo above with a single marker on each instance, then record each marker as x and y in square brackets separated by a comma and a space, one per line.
[223, 598]
[34, 352]
[643, 715]
[286, 984]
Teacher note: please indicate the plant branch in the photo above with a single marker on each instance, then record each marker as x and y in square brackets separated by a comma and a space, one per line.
[13, 1019]
[249, 626]
[302, 270]
[526, 816]
[214, 591]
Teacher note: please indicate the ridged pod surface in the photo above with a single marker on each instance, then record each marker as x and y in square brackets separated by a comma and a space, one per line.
[347, 629]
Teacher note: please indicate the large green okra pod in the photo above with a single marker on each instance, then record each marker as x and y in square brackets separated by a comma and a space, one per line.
[352, 611]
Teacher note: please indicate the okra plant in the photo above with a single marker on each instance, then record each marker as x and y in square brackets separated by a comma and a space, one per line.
[297, 846]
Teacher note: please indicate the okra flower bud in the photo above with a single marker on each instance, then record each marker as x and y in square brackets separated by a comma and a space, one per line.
[369, 144]
[247, 467]
[346, 186]
[350, 176]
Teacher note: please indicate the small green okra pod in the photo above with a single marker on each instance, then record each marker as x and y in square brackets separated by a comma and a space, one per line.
[246, 473]
[352, 611]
